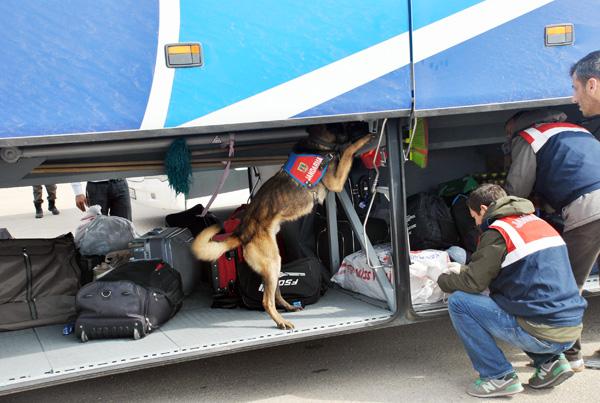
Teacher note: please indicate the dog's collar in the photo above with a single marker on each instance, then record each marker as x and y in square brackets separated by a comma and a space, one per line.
[328, 146]
[307, 169]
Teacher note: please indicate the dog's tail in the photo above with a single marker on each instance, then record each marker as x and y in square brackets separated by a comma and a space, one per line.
[204, 248]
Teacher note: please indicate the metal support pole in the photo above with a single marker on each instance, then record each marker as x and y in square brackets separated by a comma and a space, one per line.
[334, 253]
[382, 279]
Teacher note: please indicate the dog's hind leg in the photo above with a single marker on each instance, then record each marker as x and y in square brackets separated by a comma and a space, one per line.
[263, 256]
[284, 304]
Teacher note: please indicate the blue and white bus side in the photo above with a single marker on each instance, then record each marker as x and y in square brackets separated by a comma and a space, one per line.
[92, 90]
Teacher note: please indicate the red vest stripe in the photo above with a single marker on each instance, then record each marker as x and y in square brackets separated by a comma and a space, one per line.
[538, 136]
[525, 235]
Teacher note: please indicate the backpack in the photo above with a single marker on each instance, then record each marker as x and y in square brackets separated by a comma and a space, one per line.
[430, 224]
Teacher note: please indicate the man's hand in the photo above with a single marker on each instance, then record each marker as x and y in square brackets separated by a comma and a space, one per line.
[81, 202]
[454, 267]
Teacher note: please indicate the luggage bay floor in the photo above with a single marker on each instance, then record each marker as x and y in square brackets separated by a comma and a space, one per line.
[37, 356]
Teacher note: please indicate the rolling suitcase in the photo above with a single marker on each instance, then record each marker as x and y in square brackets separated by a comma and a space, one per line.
[173, 246]
[129, 301]
[224, 270]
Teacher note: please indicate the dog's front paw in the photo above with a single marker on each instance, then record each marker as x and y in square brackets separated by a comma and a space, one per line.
[361, 142]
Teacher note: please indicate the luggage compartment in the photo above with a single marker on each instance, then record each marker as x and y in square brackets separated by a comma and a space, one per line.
[38, 356]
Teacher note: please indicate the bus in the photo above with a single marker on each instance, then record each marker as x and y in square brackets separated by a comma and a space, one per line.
[96, 90]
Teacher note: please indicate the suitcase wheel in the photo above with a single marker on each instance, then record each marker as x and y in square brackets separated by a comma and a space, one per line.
[136, 334]
[83, 336]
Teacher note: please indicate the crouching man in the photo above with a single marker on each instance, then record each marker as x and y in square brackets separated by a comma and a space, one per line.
[533, 303]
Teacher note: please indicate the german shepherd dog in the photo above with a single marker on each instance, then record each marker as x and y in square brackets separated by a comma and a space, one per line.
[280, 199]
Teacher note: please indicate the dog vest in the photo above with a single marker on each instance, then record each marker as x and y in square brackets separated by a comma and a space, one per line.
[567, 161]
[307, 169]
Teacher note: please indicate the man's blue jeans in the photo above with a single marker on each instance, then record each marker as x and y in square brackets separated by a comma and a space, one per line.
[478, 320]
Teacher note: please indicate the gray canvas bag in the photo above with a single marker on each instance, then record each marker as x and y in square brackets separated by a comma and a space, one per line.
[40, 279]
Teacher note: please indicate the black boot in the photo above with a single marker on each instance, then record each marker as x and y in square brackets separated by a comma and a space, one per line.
[39, 213]
[52, 208]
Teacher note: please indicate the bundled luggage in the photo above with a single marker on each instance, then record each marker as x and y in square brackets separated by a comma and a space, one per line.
[40, 278]
[173, 246]
[356, 275]
[131, 300]
[191, 219]
[100, 234]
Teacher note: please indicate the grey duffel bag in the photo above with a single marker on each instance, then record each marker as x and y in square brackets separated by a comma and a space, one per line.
[40, 278]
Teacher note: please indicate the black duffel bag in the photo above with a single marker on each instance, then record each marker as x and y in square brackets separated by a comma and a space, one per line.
[302, 282]
[40, 278]
[430, 223]
[191, 219]
[131, 300]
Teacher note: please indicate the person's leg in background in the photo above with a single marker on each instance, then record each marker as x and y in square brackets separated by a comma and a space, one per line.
[118, 199]
[51, 190]
[584, 248]
[38, 200]
[97, 193]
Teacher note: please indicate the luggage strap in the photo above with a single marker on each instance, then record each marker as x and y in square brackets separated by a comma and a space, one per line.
[223, 176]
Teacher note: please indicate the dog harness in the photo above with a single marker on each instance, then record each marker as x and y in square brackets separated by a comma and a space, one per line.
[307, 169]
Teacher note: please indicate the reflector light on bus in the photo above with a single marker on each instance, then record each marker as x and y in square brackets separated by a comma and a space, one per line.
[183, 55]
[559, 34]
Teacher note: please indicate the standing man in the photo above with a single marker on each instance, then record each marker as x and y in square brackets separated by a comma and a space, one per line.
[561, 163]
[38, 200]
[586, 90]
[533, 301]
[111, 195]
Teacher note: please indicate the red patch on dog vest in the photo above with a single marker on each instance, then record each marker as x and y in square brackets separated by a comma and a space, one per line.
[306, 169]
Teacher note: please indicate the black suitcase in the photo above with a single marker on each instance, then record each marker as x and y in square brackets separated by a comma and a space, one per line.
[348, 243]
[39, 281]
[173, 246]
[301, 282]
[129, 301]
[191, 219]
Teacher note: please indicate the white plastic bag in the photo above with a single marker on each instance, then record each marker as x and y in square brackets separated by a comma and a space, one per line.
[422, 289]
[100, 234]
[356, 275]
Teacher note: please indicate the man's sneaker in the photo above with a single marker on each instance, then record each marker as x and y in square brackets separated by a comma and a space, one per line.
[509, 385]
[577, 365]
[551, 374]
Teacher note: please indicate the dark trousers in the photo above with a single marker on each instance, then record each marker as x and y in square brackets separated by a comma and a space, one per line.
[584, 247]
[38, 193]
[112, 196]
